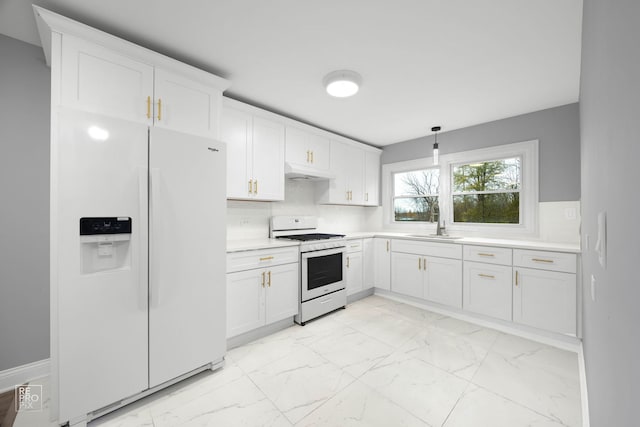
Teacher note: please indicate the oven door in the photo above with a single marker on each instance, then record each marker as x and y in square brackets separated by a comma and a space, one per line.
[322, 272]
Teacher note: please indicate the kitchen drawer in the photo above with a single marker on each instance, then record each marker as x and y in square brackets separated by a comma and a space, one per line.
[247, 260]
[543, 260]
[488, 254]
[444, 250]
[487, 289]
[354, 245]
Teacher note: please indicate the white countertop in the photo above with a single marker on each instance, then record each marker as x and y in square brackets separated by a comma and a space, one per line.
[248, 245]
[479, 241]
[255, 244]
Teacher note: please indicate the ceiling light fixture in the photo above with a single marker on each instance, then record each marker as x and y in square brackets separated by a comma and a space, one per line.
[342, 83]
[435, 129]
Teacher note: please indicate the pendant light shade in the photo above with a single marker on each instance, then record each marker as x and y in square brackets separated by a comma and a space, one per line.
[436, 154]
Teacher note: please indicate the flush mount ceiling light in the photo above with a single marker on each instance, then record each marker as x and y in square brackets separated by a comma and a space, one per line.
[342, 83]
[435, 129]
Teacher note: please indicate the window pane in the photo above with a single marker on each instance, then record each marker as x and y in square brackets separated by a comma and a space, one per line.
[416, 209]
[414, 183]
[495, 175]
[499, 208]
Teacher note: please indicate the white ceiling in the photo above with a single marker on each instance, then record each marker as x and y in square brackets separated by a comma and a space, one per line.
[452, 63]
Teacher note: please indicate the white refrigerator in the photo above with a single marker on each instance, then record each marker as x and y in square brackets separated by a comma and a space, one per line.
[138, 235]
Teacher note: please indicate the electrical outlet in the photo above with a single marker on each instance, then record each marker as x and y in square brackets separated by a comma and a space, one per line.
[570, 213]
[244, 221]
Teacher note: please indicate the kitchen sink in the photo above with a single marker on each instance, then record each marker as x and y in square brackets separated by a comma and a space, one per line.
[435, 236]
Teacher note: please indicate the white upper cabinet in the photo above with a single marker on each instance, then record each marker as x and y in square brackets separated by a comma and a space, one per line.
[106, 81]
[99, 80]
[371, 178]
[347, 188]
[185, 105]
[307, 149]
[255, 154]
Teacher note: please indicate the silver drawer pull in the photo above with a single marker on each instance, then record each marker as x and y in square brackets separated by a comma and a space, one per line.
[486, 276]
[549, 261]
[485, 254]
[326, 301]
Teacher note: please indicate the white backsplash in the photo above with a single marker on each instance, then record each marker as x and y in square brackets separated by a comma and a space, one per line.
[250, 220]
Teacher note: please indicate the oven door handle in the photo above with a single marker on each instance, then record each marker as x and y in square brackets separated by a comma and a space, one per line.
[323, 252]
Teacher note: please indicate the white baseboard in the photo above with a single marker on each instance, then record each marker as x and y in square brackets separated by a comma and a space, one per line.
[584, 396]
[23, 374]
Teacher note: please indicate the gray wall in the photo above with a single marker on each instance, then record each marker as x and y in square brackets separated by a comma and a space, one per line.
[610, 129]
[558, 132]
[24, 203]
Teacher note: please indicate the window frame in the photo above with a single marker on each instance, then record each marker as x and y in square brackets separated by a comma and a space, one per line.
[406, 196]
[528, 226]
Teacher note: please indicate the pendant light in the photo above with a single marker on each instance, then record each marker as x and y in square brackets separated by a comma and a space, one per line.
[435, 129]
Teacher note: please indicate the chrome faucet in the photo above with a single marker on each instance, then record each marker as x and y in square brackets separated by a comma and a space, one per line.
[441, 230]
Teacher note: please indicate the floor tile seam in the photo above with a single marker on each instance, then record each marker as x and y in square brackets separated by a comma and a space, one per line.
[469, 384]
[515, 402]
[269, 399]
[528, 364]
[379, 340]
[326, 401]
[262, 366]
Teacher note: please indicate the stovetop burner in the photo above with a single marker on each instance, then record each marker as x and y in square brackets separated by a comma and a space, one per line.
[311, 236]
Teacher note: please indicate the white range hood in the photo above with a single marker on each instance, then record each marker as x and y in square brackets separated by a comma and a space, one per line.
[294, 171]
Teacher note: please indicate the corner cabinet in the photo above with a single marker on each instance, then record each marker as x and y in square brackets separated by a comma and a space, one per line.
[255, 153]
[262, 288]
[104, 81]
[382, 263]
[357, 176]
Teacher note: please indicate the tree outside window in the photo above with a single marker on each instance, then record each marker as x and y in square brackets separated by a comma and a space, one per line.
[487, 192]
[416, 195]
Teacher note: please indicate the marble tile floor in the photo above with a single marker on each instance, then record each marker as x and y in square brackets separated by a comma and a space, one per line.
[377, 363]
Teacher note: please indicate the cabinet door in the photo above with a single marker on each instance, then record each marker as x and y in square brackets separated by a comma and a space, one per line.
[545, 300]
[353, 268]
[320, 148]
[98, 80]
[298, 147]
[487, 289]
[368, 263]
[355, 174]
[407, 274]
[382, 260]
[186, 106]
[443, 281]
[245, 301]
[235, 132]
[340, 164]
[268, 159]
[282, 292]
[371, 178]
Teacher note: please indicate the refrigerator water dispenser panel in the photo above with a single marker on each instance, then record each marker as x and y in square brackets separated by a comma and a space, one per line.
[105, 243]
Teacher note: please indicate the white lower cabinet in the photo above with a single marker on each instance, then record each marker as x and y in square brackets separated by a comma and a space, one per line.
[545, 300]
[368, 263]
[382, 263]
[430, 278]
[261, 296]
[353, 266]
[487, 289]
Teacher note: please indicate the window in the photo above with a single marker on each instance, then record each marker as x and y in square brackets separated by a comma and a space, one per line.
[487, 192]
[415, 195]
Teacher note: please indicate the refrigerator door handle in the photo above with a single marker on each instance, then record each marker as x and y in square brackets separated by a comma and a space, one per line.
[154, 279]
[142, 209]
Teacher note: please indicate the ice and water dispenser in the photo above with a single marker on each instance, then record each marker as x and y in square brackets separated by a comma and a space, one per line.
[105, 243]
